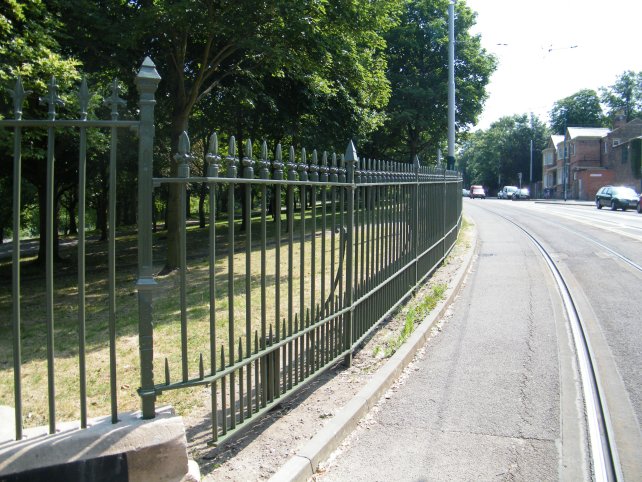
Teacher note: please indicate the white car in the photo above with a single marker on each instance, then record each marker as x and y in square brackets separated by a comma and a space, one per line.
[507, 192]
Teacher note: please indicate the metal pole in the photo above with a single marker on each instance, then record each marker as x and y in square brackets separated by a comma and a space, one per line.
[451, 85]
[531, 171]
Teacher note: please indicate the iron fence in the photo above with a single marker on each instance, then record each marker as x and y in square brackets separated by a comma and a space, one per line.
[349, 241]
[324, 248]
[52, 125]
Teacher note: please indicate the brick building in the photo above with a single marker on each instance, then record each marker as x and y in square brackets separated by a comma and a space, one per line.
[578, 163]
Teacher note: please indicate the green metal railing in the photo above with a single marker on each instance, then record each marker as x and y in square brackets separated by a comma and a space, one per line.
[147, 80]
[326, 248]
[350, 240]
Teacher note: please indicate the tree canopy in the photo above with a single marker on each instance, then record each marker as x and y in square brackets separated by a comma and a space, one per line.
[306, 72]
[581, 109]
[417, 53]
[495, 156]
[624, 96]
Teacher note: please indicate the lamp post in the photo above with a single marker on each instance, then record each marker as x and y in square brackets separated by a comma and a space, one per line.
[451, 85]
[565, 172]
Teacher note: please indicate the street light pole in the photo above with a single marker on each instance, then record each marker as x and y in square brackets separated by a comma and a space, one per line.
[565, 172]
[451, 85]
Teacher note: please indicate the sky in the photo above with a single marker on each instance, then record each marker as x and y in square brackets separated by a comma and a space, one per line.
[550, 49]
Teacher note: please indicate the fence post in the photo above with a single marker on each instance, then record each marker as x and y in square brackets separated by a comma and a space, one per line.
[351, 160]
[147, 82]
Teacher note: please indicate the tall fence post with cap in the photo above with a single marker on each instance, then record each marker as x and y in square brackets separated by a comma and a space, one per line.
[147, 82]
[350, 160]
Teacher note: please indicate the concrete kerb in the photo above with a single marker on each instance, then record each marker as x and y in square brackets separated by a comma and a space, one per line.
[303, 465]
[565, 203]
[157, 446]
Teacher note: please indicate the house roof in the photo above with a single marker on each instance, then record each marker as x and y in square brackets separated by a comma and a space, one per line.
[587, 132]
[556, 139]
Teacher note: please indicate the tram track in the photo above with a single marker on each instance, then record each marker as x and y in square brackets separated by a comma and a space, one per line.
[603, 449]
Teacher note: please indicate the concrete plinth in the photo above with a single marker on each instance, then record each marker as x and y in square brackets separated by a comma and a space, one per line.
[132, 449]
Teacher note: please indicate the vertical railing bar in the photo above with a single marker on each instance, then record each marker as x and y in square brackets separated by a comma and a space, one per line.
[231, 173]
[351, 160]
[248, 173]
[290, 218]
[277, 175]
[183, 157]
[114, 101]
[83, 96]
[49, 278]
[111, 257]
[342, 267]
[324, 228]
[265, 383]
[213, 159]
[242, 397]
[333, 211]
[18, 95]
[82, 365]
[224, 423]
[314, 176]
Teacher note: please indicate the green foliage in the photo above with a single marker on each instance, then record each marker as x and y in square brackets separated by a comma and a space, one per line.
[495, 156]
[581, 109]
[624, 96]
[417, 55]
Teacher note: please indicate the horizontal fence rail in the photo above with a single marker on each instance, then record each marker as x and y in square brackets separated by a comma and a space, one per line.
[325, 248]
[52, 125]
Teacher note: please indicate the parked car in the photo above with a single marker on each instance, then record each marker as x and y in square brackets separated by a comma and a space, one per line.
[507, 192]
[617, 197]
[465, 192]
[640, 204]
[477, 191]
[522, 193]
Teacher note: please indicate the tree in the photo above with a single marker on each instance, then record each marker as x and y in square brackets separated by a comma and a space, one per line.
[581, 109]
[624, 96]
[418, 71]
[494, 157]
[29, 49]
[334, 48]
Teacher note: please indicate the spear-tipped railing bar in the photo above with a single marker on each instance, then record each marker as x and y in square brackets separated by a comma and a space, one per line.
[290, 210]
[248, 173]
[277, 175]
[52, 100]
[183, 157]
[84, 97]
[232, 162]
[213, 164]
[18, 94]
[114, 101]
[264, 165]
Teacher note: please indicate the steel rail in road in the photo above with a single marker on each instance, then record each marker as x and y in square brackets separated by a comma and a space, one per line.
[603, 246]
[606, 464]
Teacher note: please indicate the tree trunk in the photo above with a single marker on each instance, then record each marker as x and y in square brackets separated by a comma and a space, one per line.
[179, 124]
[42, 242]
[71, 212]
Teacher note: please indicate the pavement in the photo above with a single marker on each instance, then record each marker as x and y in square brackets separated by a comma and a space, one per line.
[304, 464]
[485, 401]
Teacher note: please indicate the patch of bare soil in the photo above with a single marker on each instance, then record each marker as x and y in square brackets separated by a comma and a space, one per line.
[270, 442]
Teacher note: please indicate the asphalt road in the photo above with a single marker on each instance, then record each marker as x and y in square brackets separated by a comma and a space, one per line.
[591, 248]
[496, 395]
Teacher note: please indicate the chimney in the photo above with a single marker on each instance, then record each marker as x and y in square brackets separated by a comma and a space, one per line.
[619, 120]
